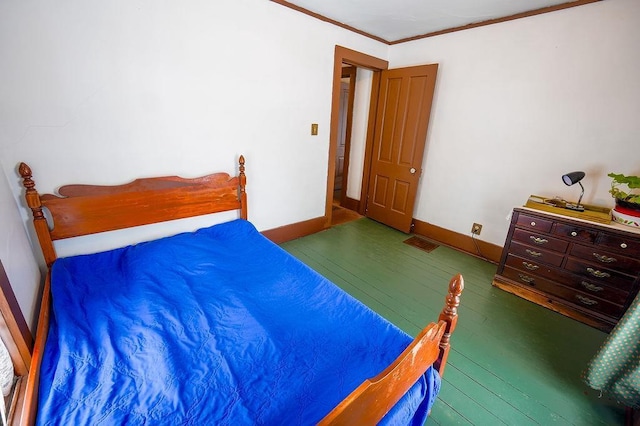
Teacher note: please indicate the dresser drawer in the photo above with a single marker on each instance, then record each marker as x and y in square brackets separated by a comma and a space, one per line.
[529, 279]
[594, 303]
[620, 243]
[540, 240]
[534, 222]
[598, 274]
[529, 266]
[536, 253]
[571, 295]
[619, 291]
[607, 259]
[576, 233]
[613, 294]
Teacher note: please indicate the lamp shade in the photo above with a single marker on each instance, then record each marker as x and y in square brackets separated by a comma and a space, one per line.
[573, 177]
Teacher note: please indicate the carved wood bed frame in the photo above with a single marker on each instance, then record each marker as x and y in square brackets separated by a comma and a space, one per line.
[87, 209]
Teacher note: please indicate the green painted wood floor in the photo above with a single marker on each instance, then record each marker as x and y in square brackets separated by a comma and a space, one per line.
[512, 362]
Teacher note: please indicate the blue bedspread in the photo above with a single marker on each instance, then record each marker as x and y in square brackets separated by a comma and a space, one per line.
[219, 326]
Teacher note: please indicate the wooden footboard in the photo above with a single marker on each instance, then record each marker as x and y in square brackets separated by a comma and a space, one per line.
[373, 399]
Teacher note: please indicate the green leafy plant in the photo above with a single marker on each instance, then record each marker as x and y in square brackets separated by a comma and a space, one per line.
[631, 182]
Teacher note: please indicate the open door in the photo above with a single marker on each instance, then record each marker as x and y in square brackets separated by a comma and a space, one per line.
[402, 119]
[357, 59]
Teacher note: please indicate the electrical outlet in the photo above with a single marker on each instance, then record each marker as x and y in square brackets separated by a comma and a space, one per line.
[476, 229]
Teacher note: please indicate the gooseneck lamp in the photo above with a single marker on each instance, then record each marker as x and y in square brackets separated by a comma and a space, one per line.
[570, 179]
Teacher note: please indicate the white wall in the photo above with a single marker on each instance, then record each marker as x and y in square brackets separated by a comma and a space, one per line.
[106, 91]
[361, 102]
[520, 103]
[17, 255]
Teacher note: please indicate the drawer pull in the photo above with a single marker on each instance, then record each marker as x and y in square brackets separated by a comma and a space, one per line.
[604, 259]
[534, 253]
[623, 245]
[598, 274]
[591, 287]
[527, 279]
[574, 234]
[585, 300]
[530, 266]
[538, 240]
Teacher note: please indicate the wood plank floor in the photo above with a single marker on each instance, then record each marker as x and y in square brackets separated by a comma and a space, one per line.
[512, 362]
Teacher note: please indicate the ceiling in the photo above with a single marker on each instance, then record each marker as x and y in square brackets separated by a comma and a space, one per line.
[396, 21]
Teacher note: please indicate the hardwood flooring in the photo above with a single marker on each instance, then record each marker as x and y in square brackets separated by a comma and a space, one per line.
[342, 215]
[512, 362]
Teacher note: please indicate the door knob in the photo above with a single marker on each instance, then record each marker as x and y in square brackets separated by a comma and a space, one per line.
[412, 170]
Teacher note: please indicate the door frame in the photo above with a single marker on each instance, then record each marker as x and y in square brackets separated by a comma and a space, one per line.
[358, 59]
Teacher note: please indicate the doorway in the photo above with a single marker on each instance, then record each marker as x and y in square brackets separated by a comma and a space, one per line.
[345, 125]
[337, 183]
[396, 128]
[343, 208]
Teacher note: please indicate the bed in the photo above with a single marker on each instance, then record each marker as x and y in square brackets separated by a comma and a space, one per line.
[214, 326]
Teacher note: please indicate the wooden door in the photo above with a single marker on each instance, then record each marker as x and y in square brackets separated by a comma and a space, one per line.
[402, 120]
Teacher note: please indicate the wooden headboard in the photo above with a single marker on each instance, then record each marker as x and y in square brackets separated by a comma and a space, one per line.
[89, 209]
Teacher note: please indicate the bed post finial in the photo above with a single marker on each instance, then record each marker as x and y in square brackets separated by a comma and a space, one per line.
[241, 162]
[39, 221]
[243, 195]
[450, 316]
[33, 199]
[25, 172]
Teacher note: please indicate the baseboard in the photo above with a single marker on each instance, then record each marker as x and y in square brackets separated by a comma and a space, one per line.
[295, 230]
[461, 242]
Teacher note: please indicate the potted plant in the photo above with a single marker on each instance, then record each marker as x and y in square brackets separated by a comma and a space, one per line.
[626, 192]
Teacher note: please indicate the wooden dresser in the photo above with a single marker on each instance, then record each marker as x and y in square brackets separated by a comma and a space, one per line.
[584, 270]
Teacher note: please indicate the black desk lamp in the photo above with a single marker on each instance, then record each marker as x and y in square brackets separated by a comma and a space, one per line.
[569, 179]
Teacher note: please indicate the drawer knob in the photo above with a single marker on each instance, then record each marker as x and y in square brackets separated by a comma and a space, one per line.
[538, 240]
[604, 259]
[585, 300]
[533, 253]
[591, 287]
[527, 279]
[533, 224]
[530, 266]
[623, 245]
[574, 234]
[598, 274]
